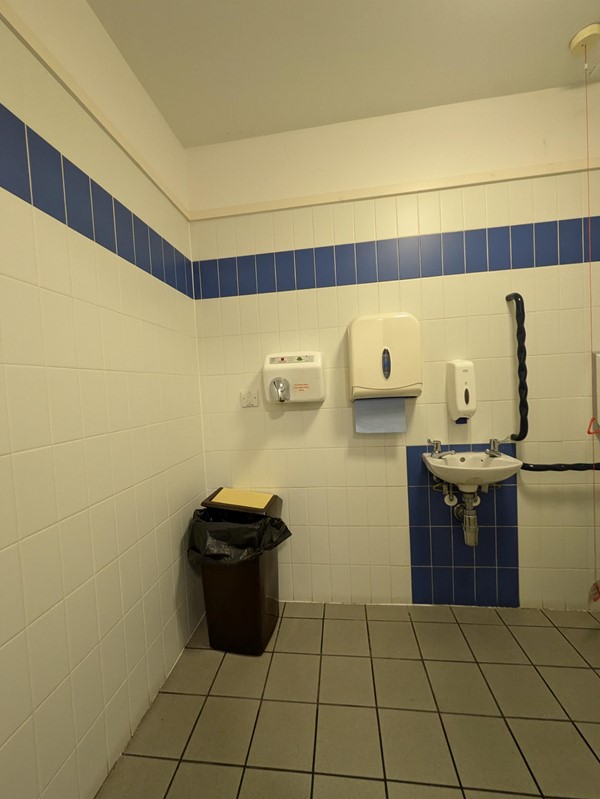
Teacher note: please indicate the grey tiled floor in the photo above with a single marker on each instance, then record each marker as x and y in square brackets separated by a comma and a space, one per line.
[379, 702]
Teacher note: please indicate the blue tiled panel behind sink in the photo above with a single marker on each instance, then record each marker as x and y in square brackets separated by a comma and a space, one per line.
[444, 569]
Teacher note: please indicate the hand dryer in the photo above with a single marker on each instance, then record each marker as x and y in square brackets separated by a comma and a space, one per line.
[294, 377]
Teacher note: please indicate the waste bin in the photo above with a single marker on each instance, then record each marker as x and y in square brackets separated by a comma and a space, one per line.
[232, 544]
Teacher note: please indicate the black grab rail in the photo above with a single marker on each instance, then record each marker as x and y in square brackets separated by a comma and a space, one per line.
[524, 405]
[522, 366]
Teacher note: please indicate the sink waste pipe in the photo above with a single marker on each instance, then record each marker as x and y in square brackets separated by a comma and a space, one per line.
[466, 513]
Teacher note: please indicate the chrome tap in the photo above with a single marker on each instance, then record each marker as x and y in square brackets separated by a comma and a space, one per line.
[494, 448]
[437, 449]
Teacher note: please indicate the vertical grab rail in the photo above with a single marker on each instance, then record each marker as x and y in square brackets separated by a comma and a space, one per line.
[522, 366]
[524, 407]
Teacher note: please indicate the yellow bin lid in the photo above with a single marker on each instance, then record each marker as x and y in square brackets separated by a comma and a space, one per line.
[244, 500]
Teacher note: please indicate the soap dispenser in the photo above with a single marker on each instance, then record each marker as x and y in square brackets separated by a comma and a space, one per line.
[461, 395]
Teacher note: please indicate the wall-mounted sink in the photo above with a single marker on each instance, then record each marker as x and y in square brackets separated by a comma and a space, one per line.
[469, 470]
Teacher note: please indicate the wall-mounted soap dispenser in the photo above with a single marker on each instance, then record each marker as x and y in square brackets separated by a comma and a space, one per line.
[294, 377]
[461, 394]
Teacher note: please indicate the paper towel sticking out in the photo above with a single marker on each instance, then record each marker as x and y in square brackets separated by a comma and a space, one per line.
[380, 415]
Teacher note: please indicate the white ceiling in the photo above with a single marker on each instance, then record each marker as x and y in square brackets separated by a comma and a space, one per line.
[221, 70]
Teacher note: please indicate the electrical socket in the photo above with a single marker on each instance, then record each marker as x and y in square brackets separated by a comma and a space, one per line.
[249, 399]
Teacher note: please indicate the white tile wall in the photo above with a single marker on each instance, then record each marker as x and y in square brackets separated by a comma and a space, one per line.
[100, 450]
[497, 204]
[38, 98]
[520, 194]
[100, 443]
[102, 437]
[345, 495]
[452, 212]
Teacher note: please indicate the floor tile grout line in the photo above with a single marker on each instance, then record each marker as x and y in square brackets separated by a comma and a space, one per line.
[296, 651]
[545, 612]
[521, 647]
[514, 737]
[584, 739]
[547, 684]
[314, 756]
[506, 624]
[485, 624]
[194, 725]
[179, 759]
[575, 648]
[480, 623]
[502, 716]
[537, 666]
[437, 710]
[381, 752]
[501, 621]
[507, 716]
[150, 757]
[514, 794]
[247, 768]
[285, 616]
[478, 664]
[569, 718]
[260, 701]
[428, 659]
[495, 793]
[528, 661]
[279, 769]
[350, 777]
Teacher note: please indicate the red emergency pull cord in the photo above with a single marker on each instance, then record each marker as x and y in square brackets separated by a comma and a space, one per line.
[590, 432]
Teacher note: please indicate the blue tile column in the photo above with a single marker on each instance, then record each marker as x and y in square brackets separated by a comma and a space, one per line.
[444, 569]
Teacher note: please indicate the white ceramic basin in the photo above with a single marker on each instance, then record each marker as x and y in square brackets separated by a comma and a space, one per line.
[468, 470]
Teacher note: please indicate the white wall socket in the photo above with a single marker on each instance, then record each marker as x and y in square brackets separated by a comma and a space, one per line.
[249, 399]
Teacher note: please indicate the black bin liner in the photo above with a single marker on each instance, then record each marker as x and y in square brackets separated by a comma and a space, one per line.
[234, 552]
[230, 537]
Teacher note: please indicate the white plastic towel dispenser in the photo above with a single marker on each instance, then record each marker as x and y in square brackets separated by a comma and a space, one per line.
[294, 377]
[384, 356]
[385, 367]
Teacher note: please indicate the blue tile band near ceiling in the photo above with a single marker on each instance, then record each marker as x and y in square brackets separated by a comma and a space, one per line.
[33, 170]
[444, 569]
[561, 242]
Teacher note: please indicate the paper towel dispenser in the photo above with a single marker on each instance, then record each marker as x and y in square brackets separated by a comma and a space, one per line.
[384, 356]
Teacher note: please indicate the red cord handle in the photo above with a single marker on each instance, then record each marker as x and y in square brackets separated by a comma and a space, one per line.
[590, 432]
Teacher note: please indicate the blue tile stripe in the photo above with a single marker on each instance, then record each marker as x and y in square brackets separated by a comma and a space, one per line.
[33, 170]
[435, 254]
[444, 570]
[30, 168]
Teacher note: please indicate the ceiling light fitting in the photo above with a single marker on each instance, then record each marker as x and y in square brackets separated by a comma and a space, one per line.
[585, 37]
